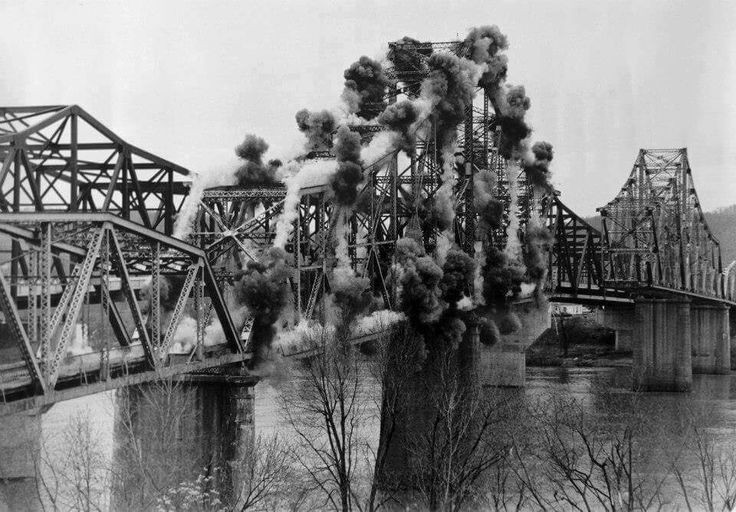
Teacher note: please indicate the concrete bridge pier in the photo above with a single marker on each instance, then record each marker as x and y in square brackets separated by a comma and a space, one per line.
[621, 321]
[20, 437]
[504, 363]
[662, 348]
[711, 340]
[196, 425]
[441, 384]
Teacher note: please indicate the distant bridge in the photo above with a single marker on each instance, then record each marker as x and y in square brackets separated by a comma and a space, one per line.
[86, 219]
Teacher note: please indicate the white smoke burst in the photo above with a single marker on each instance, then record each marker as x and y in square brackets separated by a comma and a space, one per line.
[312, 174]
[513, 246]
[213, 177]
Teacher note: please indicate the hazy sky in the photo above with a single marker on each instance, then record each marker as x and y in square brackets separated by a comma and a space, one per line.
[187, 80]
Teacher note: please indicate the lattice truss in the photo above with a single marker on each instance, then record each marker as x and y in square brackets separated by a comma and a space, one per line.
[84, 225]
[236, 224]
[655, 231]
[575, 259]
[103, 298]
[60, 158]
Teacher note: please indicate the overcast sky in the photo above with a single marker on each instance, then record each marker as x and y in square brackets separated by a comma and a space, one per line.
[187, 80]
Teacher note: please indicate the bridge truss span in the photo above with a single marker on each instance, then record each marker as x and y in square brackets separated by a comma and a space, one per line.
[655, 233]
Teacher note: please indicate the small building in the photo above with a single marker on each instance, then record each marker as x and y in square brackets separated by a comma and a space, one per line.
[567, 309]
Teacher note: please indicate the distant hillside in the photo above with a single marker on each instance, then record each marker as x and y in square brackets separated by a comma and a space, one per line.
[722, 223]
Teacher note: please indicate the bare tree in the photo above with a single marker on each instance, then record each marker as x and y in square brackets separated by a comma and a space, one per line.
[149, 458]
[72, 469]
[264, 473]
[712, 486]
[451, 459]
[325, 409]
[578, 465]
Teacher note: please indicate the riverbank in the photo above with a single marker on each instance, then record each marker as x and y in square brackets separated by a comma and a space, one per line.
[576, 341]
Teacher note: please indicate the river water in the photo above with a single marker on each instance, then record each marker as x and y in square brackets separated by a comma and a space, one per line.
[605, 393]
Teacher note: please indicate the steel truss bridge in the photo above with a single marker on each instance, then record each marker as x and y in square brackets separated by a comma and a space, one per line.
[97, 294]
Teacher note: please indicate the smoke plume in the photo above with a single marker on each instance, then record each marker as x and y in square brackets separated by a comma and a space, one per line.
[449, 88]
[351, 296]
[490, 210]
[399, 118]
[262, 288]
[349, 172]
[365, 87]
[253, 171]
[537, 171]
[514, 131]
[483, 45]
[502, 279]
[537, 244]
[317, 127]
[418, 278]
[458, 275]
[312, 173]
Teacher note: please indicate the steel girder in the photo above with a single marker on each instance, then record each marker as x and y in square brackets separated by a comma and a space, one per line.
[60, 158]
[654, 230]
[78, 316]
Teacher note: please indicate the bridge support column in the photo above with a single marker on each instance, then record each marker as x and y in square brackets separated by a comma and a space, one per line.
[441, 390]
[196, 425]
[621, 321]
[504, 363]
[662, 348]
[710, 337]
[20, 438]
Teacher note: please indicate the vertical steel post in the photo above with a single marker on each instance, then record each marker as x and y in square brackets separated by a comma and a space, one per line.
[155, 314]
[73, 163]
[469, 207]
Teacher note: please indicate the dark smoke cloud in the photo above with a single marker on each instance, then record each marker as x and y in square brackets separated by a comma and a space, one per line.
[489, 333]
[537, 172]
[451, 330]
[253, 171]
[262, 288]
[502, 279]
[352, 297]
[317, 127]
[543, 151]
[483, 45]
[459, 273]
[419, 280]
[537, 244]
[514, 129]
[490, 210]
[517, 102]
[349, 172]
[451, 89]
[365, 87]
[429, 295]
[399, 117]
